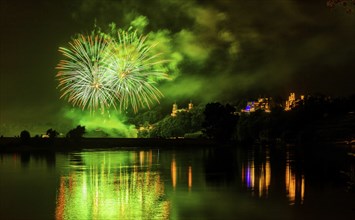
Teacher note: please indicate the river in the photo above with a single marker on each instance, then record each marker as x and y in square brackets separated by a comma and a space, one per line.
[260, 182]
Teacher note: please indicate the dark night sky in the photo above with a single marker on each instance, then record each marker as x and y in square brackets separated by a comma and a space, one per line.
[230, 48]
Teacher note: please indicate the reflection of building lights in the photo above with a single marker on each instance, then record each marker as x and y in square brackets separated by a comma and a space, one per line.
[173, 172]
[264, 179]
[257, 177]
[267, 176]
[177, 177]
[302, 190]
[141, 158]
[150, 157]
[190, 177]
[295, 187]
[290, 185]
[250, 175]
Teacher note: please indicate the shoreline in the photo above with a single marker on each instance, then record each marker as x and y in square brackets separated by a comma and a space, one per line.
[33, 145]
[64, 144]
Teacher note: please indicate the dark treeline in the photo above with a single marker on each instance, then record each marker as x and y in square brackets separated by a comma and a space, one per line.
[317, 118]
[49, 138]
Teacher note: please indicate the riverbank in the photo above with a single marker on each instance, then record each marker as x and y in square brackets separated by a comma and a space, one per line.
[64, 144]
[14, 144]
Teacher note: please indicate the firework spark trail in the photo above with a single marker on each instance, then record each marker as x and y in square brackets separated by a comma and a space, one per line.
[100, 72]
[133, 71]
[82, 75]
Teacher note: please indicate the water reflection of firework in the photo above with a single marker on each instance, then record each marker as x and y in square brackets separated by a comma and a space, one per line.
[111, 189]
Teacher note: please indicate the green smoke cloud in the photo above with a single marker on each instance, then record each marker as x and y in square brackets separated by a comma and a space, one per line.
[186, 34]
[102, 125]
[243, 46]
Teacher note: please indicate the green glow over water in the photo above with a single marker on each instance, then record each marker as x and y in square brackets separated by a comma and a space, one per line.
[120, 185]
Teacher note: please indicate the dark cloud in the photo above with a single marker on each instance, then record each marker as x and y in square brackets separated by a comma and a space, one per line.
[224, 49]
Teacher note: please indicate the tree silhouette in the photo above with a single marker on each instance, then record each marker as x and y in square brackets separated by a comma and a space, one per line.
[25, 136]
[220, 121]
[52, 133]
[169, 127]
[197, 118]
[76, 133]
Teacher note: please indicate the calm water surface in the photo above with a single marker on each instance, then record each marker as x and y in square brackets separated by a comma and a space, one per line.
[256, 183]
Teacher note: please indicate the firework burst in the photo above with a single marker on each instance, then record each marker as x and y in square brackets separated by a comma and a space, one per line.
[104, 71]
[134, 71]
[82, 75]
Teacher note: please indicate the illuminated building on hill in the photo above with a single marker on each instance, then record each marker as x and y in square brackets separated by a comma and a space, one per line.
[262, 104]
[293, 102]
[175, 109]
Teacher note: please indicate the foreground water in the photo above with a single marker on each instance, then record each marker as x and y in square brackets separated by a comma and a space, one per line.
[213, 183]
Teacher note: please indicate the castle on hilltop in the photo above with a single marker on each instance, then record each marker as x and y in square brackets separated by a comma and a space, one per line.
[175, 109]
[293, 102]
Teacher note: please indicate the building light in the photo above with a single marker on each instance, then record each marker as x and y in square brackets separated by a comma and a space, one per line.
[261, 104]
[175, 109]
